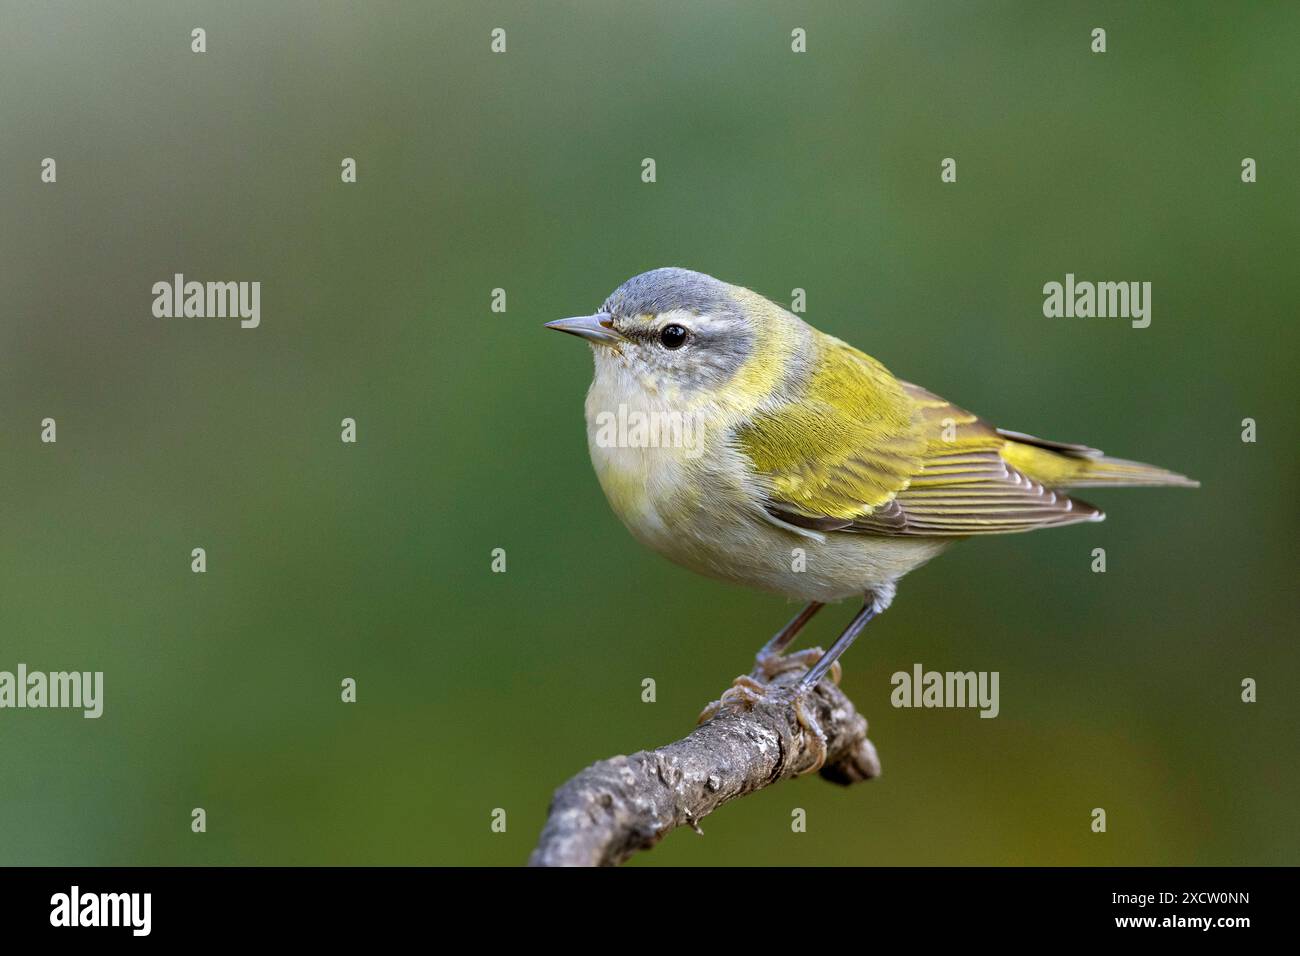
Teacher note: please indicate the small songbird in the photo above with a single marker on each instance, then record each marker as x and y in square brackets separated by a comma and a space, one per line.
[737, 440]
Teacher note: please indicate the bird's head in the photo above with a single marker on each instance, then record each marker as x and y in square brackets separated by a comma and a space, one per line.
[685, 334]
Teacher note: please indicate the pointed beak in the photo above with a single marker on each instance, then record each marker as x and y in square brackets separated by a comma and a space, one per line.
[596, 328]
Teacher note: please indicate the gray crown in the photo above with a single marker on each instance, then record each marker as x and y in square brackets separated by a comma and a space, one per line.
[663, 290]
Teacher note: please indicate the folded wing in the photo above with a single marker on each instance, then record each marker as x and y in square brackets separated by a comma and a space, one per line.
[863, 452]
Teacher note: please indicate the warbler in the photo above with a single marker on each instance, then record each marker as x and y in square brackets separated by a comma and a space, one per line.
[810, 470]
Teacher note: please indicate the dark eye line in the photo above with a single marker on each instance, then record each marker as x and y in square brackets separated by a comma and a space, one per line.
[653, 334]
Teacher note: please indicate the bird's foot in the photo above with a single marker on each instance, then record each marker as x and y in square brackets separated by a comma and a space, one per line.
[746, 691]
[814, 736]
[740, 697]
[770, 665]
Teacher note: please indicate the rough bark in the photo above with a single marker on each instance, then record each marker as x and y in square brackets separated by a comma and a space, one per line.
[619, 806]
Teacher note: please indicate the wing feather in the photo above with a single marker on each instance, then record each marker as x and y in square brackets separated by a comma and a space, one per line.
[864, 452]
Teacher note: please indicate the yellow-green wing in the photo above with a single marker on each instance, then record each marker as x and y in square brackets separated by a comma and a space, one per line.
[861, 451]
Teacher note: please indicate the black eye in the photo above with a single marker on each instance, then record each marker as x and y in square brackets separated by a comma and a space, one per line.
[673, 336]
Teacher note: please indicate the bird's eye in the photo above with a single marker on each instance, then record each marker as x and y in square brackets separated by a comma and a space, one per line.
[673, 336]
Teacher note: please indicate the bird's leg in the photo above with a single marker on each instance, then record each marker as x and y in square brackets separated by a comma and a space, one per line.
[827, 663]
[841, 645]
[746, 690]
[770, 660]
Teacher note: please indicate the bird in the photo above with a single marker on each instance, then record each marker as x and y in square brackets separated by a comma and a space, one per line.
[737, 440]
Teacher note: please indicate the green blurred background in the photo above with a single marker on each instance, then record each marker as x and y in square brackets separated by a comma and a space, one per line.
[480, 691]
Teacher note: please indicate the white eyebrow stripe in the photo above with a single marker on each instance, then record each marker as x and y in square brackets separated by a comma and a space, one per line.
[703, 322]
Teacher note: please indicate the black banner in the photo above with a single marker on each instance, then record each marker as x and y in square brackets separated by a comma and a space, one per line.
[237, 904]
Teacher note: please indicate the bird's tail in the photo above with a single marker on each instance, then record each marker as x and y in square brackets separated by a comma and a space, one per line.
[1117, 472]
[1060, 465]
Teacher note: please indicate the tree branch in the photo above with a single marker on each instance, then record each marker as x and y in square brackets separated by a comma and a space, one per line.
[755, 738]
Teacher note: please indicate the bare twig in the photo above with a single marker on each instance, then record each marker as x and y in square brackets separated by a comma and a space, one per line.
[618, 806]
